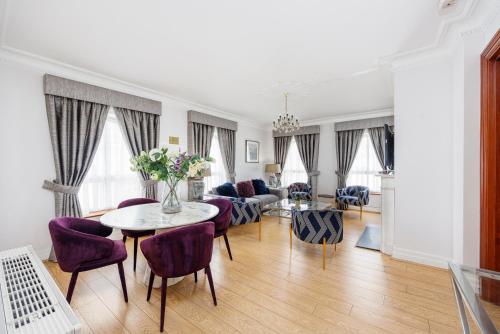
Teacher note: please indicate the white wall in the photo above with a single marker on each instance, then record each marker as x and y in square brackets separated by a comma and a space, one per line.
[423, 154]
[27, 153]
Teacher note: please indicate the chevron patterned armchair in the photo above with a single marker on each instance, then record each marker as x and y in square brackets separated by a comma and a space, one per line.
[318, 227]
[353, 195]
[301, 190]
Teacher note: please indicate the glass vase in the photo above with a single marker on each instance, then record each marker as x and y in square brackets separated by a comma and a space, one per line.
[170, 200]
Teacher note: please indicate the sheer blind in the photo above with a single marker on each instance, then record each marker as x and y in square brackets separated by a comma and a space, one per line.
[365, 166]
[217, 169]
[109, 180]
[294, 170]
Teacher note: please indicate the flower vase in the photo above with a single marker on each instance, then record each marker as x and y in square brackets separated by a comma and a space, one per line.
[170, 200]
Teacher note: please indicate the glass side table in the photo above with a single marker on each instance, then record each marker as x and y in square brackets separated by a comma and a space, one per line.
[479, 291]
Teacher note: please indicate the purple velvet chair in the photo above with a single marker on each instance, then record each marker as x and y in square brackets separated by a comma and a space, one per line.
[222, 220]
[179, 252]
[81, 245]
[136, 234]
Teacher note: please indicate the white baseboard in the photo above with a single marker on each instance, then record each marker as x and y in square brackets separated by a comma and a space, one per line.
[420, 257]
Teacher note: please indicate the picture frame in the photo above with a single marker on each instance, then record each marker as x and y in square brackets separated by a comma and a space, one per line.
[252, 149]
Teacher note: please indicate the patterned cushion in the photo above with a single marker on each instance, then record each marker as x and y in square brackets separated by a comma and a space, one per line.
[300, 195]
[314, 225]
[302, 188]
[353, 200]
[260, 187]
[245, 189]
[227, 189]
[354, 195]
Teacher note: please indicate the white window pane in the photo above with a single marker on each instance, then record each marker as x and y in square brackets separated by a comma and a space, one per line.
[294, 170]
[217, 169]
[109, 180]
[365, 166]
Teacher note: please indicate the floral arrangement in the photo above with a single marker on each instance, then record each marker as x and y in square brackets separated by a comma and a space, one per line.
[163, 165]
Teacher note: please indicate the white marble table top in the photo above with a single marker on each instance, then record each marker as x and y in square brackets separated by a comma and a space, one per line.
[150, 217]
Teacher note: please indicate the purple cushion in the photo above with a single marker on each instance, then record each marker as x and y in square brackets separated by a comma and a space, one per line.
[245, 189]
[227, 189]
[118, 254]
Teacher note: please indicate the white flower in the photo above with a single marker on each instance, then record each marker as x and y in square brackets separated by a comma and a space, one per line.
[154, 154]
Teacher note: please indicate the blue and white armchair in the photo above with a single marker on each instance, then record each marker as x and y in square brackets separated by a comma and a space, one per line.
[352, 195]
[318, 227]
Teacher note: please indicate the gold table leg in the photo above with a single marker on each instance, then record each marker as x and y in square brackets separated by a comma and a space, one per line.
[260, 230]
[324, 252]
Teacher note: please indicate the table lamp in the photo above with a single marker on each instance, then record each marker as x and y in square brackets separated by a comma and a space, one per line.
[273, 169]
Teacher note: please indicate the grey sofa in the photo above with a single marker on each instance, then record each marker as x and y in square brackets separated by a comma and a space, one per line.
[273, 196]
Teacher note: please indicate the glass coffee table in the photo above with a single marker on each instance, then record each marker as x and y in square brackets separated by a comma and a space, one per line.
[478, 291]
[283, 208]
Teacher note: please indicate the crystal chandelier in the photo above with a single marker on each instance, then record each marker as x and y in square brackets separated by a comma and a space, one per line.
[286, 123]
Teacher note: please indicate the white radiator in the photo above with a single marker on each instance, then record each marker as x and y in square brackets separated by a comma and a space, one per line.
[31, 300]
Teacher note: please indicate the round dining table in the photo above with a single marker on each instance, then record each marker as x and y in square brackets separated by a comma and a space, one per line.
[150, 217]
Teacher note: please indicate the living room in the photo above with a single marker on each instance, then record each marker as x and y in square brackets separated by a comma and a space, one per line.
[318, 105]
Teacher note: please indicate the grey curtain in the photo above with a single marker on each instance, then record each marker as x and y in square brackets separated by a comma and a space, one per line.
[377, 139]
[202, 139]
[75, 130]
[142, 133]
[347, 147]
[227, 143]
[308, 146]
[281, 146]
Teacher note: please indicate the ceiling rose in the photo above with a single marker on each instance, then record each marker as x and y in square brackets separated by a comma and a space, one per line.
[286, 122]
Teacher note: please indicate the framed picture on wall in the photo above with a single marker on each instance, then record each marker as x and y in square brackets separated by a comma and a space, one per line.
[252, 151]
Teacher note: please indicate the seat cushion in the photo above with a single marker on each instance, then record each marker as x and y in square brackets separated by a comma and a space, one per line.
[266, 199]
[227, 189]
[260, 187]
[245, 189]
[354, 200]
[118, 254]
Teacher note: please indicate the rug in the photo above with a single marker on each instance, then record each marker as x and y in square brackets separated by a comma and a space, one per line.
[370, 238]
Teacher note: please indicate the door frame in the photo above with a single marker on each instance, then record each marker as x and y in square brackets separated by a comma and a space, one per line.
[490, 155]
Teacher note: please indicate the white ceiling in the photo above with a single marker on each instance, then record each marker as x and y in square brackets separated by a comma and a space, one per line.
[236, 56]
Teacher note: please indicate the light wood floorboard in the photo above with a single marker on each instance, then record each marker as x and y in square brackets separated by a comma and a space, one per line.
[269, 288]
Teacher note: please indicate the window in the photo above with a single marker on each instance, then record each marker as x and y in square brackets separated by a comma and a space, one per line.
[365, 166]
[109, 180]
[217, 169]
[294, 170]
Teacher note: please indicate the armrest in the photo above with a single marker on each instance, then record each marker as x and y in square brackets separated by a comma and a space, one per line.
[224, 197]
[277, 192]
[90, 226]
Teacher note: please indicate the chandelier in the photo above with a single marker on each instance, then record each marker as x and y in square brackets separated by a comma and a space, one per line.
[286, 123]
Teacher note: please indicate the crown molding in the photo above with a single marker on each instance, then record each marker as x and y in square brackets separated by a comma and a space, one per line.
[81, 74]
[387, 111]
[472, 19]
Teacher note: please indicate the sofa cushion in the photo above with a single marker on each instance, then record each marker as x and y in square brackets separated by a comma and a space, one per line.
[266, 199]
[245, 189]
[260, 187]
[227, 189]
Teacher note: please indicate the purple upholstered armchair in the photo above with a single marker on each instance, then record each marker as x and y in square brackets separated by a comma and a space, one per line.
[136, 234]
[179, 252]
[222, 220]
[81, 245]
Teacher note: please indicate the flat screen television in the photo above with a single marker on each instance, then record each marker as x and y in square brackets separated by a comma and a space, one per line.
[389, 148]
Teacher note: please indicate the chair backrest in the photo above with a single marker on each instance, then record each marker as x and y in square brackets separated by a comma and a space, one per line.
[136, 201]
[314, 225]
[298, 187]
[355, 190]
[223, 218]
[78, 240]
[180, 251]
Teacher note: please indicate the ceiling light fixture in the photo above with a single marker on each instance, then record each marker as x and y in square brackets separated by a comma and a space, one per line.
[286, 123]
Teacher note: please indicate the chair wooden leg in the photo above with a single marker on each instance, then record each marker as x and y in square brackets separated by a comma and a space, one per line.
[136, 241]
[227, 246]
[196, 277]
[324, 253]
[360, 212]
[124, 239]
[150, 285]
[211, 282]
[163, 302]
[260, 230]
[71, 288]
[122, 279]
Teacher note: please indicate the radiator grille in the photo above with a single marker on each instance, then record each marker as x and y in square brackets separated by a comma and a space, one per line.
[31, 300]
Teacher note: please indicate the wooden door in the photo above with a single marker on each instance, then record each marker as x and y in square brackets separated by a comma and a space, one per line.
[490, 155]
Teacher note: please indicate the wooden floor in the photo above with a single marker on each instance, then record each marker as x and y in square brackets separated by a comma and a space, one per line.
[270, 289]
